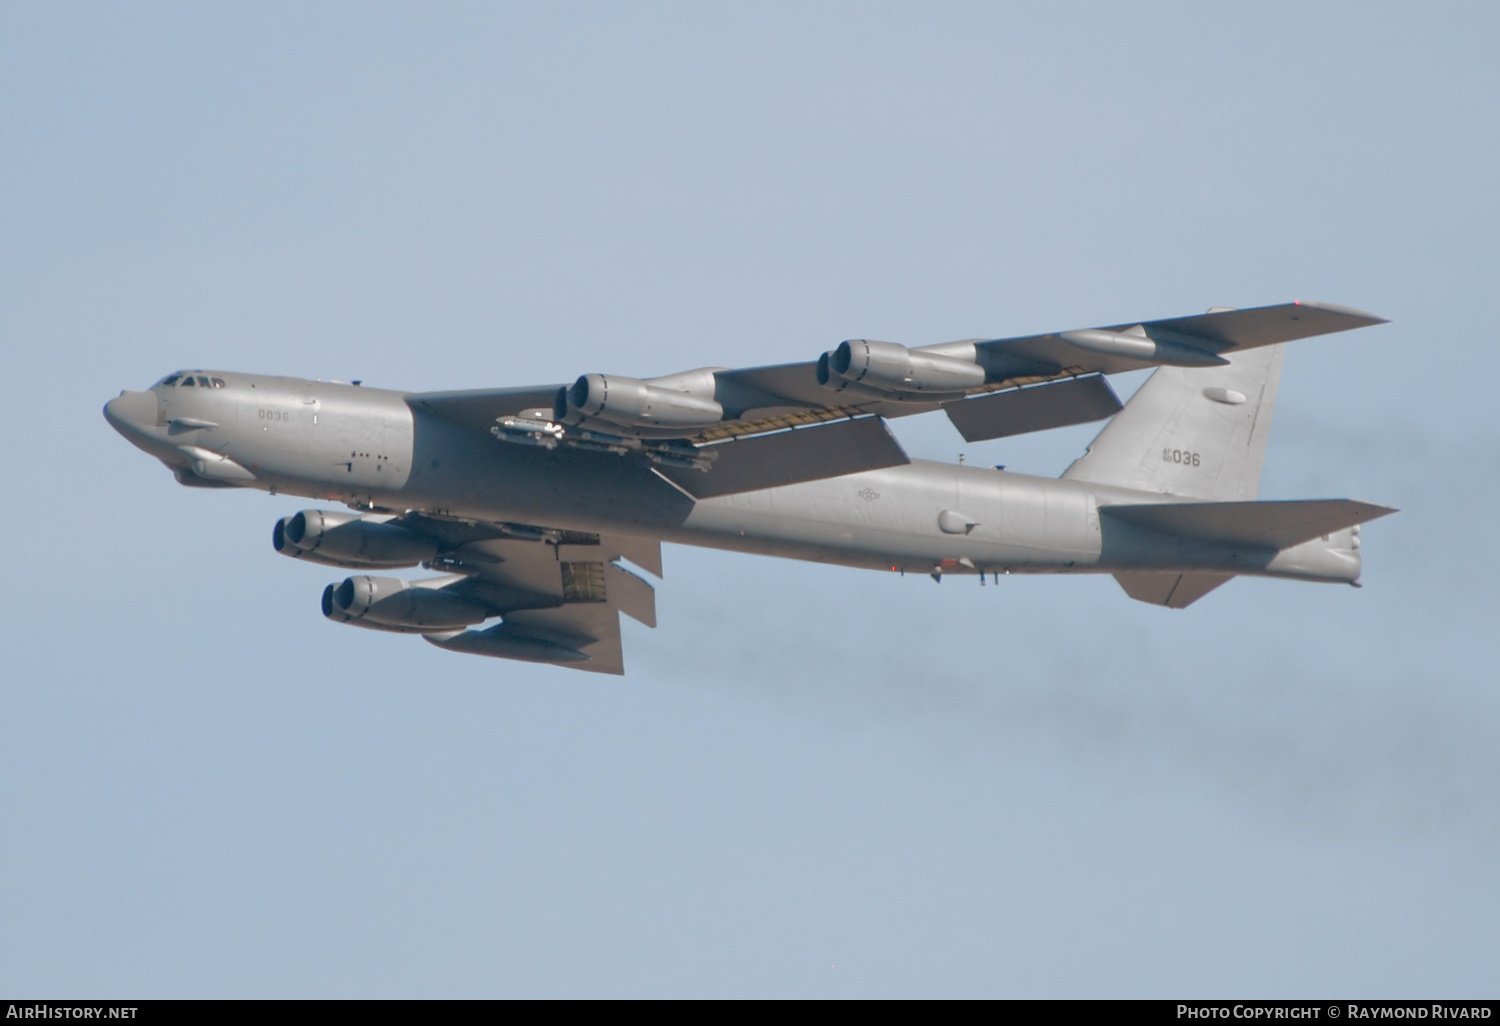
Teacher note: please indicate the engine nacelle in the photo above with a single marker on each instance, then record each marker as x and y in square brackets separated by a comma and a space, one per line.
[407, 607]
[347, 539]
[887, 367]
[631, 402]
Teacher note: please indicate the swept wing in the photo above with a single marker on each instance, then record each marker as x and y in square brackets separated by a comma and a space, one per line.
[756, 400]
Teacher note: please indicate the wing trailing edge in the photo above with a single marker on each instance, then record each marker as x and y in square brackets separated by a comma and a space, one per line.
[791, 457]
[1020, 411]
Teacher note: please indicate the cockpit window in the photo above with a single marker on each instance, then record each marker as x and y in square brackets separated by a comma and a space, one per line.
[181, 380]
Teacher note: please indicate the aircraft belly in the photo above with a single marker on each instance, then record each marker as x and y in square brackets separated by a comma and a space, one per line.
[892, 517]
[880, 518]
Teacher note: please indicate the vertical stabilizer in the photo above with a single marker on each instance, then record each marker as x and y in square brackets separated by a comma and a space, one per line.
[1198, 432]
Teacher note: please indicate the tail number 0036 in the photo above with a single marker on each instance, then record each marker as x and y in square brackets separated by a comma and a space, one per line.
[1188, 459]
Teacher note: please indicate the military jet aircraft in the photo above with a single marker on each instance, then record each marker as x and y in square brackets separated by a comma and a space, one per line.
[526, 501]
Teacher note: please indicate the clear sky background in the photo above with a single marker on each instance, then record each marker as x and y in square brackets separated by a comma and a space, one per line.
[812, 781]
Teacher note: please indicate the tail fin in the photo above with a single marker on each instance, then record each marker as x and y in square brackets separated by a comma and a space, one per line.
[1197, 432]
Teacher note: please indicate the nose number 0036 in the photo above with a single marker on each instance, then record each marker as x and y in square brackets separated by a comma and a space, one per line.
[1188, 459]
[273, 415]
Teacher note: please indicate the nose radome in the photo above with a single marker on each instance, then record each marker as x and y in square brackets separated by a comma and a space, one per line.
[131, 411]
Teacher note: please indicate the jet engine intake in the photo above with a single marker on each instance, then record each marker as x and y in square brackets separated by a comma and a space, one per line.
[406, 607]
[891, 368]
[631, 402]
[349, 540]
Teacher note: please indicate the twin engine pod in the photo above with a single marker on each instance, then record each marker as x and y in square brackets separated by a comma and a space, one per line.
[680, 403]
[350, 540]
[406, 607]
[888, 370]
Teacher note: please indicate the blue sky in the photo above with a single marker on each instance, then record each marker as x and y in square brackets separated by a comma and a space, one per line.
[813, 781]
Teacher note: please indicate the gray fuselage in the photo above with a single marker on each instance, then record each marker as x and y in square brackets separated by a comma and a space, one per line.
[373, 449]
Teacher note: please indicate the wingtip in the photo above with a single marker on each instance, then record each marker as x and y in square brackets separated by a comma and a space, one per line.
[1377, 509]
[1348, 311]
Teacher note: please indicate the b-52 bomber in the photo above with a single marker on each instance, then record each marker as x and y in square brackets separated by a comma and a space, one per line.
[526, 501]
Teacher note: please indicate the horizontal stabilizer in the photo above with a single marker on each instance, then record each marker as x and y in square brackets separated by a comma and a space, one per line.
[1271, 525]
[1175, 591]
[1038, 408]
[791, 457]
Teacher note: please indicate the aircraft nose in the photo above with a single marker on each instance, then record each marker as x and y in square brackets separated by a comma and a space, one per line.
[131, 413]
